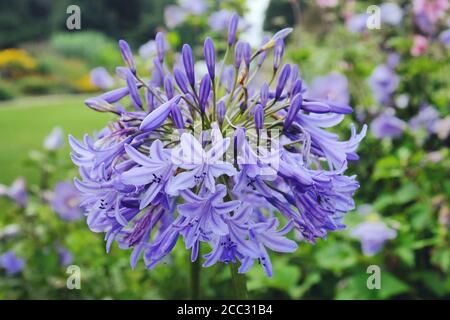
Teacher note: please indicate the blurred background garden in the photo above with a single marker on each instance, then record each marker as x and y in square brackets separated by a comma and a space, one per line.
[396, 78]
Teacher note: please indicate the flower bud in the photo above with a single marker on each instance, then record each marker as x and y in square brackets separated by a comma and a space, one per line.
[246, 54]
[134, 93]
[238, 54]
[188, 62]
[177, 117]
[282, 79]
[100, 105]
[280, 35]
[160, 46]
[210, 57]
[232, 29]
[150, 99]
[221, 110]
[295, 106]
[259, 117]
[157, 117]
[205, 88]
[127, 55]
[316, 107]
[264, 94]
[263, 54]
[115, 95]
[278, 53]
[296, 87]
[181, 80]
[168, 86]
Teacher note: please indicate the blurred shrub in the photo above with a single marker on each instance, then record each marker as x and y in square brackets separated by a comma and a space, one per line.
[35, 85]
[15, 63]
[68, 68]
[6, 91]
[92, 47]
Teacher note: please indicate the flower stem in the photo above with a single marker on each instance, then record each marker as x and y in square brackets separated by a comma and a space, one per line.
[195, 279]
[239, 283]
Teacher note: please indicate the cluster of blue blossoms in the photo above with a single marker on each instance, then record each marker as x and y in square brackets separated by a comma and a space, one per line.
[164, 170]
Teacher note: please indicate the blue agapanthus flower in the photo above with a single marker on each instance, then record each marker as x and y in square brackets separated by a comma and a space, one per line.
[229, 166]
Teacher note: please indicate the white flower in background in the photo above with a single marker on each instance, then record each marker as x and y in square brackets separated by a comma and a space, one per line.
[55, 140]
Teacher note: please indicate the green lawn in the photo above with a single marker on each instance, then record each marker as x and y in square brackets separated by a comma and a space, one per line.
[25, 122]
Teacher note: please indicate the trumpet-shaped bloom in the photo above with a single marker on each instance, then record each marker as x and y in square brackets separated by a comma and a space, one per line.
[215, 160]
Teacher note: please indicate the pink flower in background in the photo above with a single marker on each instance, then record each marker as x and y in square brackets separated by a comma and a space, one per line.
[327, 3]
[433, 10]
[420, 45]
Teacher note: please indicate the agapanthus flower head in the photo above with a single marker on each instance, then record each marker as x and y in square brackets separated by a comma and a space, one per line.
[230, 167]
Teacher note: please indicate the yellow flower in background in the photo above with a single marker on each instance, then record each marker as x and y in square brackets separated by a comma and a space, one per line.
[84, 84]
[17, 58]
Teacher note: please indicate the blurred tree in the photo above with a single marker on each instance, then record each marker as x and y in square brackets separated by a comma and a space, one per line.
[34, 20]
[23, 21]
[280, 13]
[135, 20]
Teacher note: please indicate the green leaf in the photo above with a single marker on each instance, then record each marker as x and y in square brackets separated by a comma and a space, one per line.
[406, 194]
[406, 255]
[354, 288]
[441, 258]
[434, 282]
[285, 276]
[336, 256]
[388, 167]
[391, 286]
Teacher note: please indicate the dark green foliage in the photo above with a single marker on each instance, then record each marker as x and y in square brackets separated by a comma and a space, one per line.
[27, 20]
